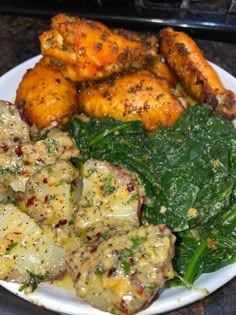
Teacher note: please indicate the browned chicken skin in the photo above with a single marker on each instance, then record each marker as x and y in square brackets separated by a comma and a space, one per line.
[137, 96]
[194, 72]
[44, 97]
[136, 83]
[86, 50]
[162, 70]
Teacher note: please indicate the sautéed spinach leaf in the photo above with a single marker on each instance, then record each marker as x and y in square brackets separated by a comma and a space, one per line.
[188, 172]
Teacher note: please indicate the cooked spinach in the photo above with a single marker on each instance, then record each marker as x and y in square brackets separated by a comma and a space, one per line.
[188, 171]
[201, 249]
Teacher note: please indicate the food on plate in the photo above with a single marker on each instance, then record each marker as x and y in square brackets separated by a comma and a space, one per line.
[188, 175]
[112, 188]
[45, 97]
[13, 131]
[85, 50]
[18, 164]
[121, 274]
[158, 66]
[51, 196]
[107, 250]
[114, 263]
[195, 73]
[26, 253]
[134, 96]
[139, 76]
[110, 193]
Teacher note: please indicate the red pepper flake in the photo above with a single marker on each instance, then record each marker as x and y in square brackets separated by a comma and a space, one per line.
[162, 228]
[123, 306]
[16, 139]
[25, 173]
[131, 260]
[130, 187]
[98, 234]
[40, 160]
[4, 146]
[139, 289]
[31, 201]
[18, 150]
[45, 180]
[46, 198]
[112, 272]
[88, 237]
[60, 223]
[93, 248]
[212, 244]
[137, 283]
[78, 276]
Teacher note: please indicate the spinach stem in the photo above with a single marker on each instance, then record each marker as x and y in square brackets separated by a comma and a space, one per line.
[107, 132]
[194, 262]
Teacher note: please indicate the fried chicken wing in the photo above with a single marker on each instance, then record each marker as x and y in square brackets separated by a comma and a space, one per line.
[44, 97]
[162, 70]
[136, 96]
[86, 50]
[195, 73]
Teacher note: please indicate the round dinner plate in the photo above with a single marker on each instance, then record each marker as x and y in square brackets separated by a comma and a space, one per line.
[64, 300]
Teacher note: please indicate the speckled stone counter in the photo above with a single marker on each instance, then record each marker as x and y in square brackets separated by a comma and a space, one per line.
[19, 42]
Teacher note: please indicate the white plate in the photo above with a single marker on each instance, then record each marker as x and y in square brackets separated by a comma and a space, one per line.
[64, 300]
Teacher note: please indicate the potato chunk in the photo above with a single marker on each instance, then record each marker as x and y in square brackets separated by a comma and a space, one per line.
[121, 275]
[25, 248]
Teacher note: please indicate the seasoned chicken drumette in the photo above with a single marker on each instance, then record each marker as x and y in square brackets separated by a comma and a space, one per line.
[195, 73]
[135, 96]
[86, 50]
[45, 97]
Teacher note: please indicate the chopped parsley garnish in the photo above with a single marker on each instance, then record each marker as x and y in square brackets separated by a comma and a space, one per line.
[50, 145]
[99, 271]
[34, 281]
[61, 182]
[107, 188]
[10, 247]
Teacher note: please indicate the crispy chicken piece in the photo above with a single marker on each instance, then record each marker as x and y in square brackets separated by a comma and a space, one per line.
[136, 96]
[86, 50]
[195, 73]
[162, 70]
[44, 97]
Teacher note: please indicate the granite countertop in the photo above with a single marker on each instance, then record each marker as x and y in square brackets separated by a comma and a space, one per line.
[19, 42]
